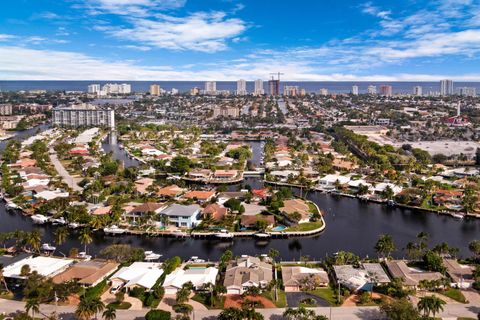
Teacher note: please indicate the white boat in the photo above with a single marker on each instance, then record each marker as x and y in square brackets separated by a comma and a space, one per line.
[262, 235]
[60, 220]
[179, 234]
[224, 234]
[457, 215]
[195, 259]
[84, 256]
[39, 219]
[74, 225]
[48, 247]
[113, 229]
[11, 206]
[150, 255]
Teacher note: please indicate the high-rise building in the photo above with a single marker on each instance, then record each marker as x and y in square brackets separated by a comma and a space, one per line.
[210, 87]
[194, 91]
[274, 87]
[291, 91]
[241, 87]
[467, 91]
[372, 89]
[115, 88]
[83, 115]
[324, 92]
[355, 90]
[6, 109]
[417, 91]
[259, 87]
[155, 90]
[446, 87]
[174, 91]
[94, 89]
[386, 90]
[227, 112]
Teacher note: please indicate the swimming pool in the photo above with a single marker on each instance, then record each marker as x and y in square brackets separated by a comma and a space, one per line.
[279, 228]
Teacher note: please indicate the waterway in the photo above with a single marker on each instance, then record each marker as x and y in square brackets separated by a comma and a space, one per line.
[351, 225]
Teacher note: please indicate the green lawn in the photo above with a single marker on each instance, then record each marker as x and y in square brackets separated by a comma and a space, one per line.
[204, 299]
[282, 297]
[305, 226]
[121, 306]
[455, 294]
[312, 207]
[326, 294]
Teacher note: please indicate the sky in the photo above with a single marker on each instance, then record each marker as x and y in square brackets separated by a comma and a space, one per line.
[306, 40]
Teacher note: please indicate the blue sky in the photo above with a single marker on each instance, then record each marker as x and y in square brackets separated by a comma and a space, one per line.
[322, 40]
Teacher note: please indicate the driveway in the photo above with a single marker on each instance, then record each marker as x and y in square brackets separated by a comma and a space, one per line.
[294, 298]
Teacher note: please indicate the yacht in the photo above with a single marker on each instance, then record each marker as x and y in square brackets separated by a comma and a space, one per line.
[150, 255]
[262, 235]
[39, 219]
[58, 221]
[84, 256]
[195, 259]
[457, 215]
[224, 234]
[48, 247]
[11, 206]
[74, 225]
[113, 229]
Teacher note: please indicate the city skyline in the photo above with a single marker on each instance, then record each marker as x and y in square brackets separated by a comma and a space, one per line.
[231, 40]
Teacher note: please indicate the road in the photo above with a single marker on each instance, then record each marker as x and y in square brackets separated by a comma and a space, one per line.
[67, 178]
[339, 313]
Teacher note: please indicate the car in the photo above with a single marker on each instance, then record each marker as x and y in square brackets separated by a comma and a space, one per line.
[116, 289]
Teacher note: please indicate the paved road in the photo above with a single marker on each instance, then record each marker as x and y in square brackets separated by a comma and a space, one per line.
[339, 313]
[67, 178]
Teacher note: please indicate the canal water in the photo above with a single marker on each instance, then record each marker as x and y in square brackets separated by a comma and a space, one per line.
[352, 225]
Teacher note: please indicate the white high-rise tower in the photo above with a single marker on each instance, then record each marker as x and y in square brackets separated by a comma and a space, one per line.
[259, 87]
[241, 87]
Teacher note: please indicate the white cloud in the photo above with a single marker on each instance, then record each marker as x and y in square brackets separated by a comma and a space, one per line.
[138, 48]
[205, 32]
[5, 37]
[131, 7]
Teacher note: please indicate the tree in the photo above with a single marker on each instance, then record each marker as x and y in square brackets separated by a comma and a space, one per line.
[158, 315]
[474, 247]
[61, 235]
[433, 261]
[34, 240]
[302, 313]
[2, 279]
[85, 237]
[430, 304]
[385, 245]
[252, 291]
[110, 313]
[180, 164]
[400, 309]
[230, 314]
[34, 305]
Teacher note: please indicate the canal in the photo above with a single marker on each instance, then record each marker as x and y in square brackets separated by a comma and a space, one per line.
[352, 225]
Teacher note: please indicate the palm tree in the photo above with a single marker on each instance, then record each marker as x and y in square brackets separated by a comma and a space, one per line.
[61, 235]
[385, 245]
[97, 306]
[34, 305]
[85, 237]
[109, 313]
[34, 240]
[436, 305]
[431, 304]
[84, 309]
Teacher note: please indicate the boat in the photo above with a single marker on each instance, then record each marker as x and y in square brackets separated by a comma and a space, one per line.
[58, 221]
[39, 219]
[224, 234]
[262, 235]
[74, 225]
[179, 234]
[195, 259]
[113, 229]
[457, 215]
[150, 255]
[48, 247]
[84, 256]
[11, 206]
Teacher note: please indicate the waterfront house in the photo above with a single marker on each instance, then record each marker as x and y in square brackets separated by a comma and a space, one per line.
[141, 185]
[137, 275]
[224, 175]
[246, 272]
[411, 276]
[448, 198]
[216, 211]
[144, 208]
[362, 278]
[44, 266]
[183, 216]
[200, 174]
[331, 180]
[249, 221]
[51, 194]
[461, 275]
[297, 205]
[87, 273]
[199, 277]
[101, 210]
[297, 278]
[200, 196]
[171, 191]
[260, 194]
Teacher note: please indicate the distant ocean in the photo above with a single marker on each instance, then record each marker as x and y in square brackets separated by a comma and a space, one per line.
[183, 86]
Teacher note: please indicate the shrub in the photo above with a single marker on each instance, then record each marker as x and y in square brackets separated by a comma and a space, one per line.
[158, 315]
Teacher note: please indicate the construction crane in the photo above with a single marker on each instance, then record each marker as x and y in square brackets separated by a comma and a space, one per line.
[278, 74]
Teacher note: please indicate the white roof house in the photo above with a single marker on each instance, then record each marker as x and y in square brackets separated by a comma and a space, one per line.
[36, 182]
[330, 179]
[151, 152]
[138, 274]
[380, 187]
[350, 277]
[50, 195]
[45, 266]
[198, 276]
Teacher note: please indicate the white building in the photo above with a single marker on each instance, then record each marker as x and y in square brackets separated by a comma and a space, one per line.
[446, 87]
[372, 90]
[44, 266]
[210, 87]
[199, 277]
[324, 92]
[83, 115]
[138, 274]
[417, 91]
[259, 87]
[94, 89]
[115, 88]
[468, 91]
[241, 87]
[174, 91]
[355, 90]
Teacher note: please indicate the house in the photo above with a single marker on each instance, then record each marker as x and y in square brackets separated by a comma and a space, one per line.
[448, 198]
[141, 185]
[224, 175]
[171, 191]
[100, 211]
[142, 209]
[216, 211]
[330, 181]
[341, 164]
[362, 278]
[87, 273]
[461, 275]
[201, 174]
[138, 274]
[183, 216]
[44, 266]
[260, 194]
[411, 276]
[52, 194]
[199, 277]
[294, 278]
[149, 151]
[200, 196]
[248, 221]
[246, 272]
[297, 205]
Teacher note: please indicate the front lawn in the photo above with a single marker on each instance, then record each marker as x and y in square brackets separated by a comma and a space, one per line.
[326, 294]
[282, 297]
[307, 226]
[455, 294]
[121, 306]
[204, 298]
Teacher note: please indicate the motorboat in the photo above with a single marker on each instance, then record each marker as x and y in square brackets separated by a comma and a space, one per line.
[11, 206]
[262, 235]
[179, 234]
[457, 215]
[48, 247]
[84, 256]
[224, 234]
[59, 221]
[113, 229]
[150, 255]
[195, 259]
[39, 219]
[74, 225]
